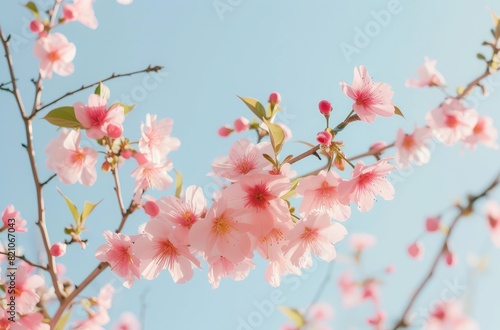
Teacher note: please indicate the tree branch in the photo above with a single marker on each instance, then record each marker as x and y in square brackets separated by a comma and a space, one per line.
[26, 260]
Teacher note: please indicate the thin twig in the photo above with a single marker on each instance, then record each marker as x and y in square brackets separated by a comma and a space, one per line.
[118, 191]
[322, 286]
[26, 260]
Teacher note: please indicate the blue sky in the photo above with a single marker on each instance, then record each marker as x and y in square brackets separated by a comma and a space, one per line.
[251, 49]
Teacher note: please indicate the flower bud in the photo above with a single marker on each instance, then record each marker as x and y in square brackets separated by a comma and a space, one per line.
[69, 12]
[416, 250]
[58, 249]
[432, 224]
[450, 258]
[377, 146]
[127, 153]
[241, 124]
[36, 26]
[274, 98]
[151, 208]
[325, 107]
[224, 131]
[324, 138]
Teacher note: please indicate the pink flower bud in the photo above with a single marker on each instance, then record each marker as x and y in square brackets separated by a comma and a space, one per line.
[416, 250]
[151, 208]
[58, 249]
[106, 166]
[114, 131]
[377, 146]
[126, 153]
[274, 98]
[224, 131]
[68, 12]
[432, 224]
[390, 269]
[324, 138]
[325, 107]
[450, 258]
[241, 124]
[36, 26]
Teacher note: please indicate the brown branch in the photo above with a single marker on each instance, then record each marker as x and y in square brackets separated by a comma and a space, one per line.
[464, 211]
[118, 191]
[371, 153]
[473, 84]
[26, 260]
[150, 68]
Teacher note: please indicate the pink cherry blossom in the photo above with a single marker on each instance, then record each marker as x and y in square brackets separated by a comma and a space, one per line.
[105, 297]
[160, 248]
[156, 140]
[71, 162]
[25, 296]
[56, 54]
[314, 234]
[152, 175]
[367, 182]
[493, 216]
[325, 107]
[33, 321]
[483, 132]
[12, 219]
[241, 124]
[324, 138]
[117, 251]
[81, 11]
[416, 250]
[286, 130]
[452, 121]
[321, 195]
[127, 321]
[449, 315]
[98, 121]
[320, 312]
[93, 322]
[221, 267]
[428, 76]
[370, 98]
[377, 320]
[350, 290]
[244, 158]
[36, 26]
[450, 258]
[58, 249]
[413, 147]
[361, 241]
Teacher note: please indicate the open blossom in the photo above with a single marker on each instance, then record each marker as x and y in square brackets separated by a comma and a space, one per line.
[452, 121]
[321, 195]
[156, 140]
[361, 241]
[160, 248]
[33, 321]
[493, 216]
[370, 98]
[244, 158]
[25, 295]
[449, 315]
[56, 54]
[413, 147]
[151, 175]
[368, 182]
[81, 11]
[221, 267]
[117, 251]
[19, 224]
[71, 162]
[314, 234]
[428, 76]
[483, 132]
[127, 321]
[98, 121]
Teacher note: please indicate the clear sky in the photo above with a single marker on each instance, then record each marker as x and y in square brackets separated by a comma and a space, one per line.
[302, 49]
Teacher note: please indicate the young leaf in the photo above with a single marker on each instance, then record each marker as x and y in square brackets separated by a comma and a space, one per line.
[178, 184]
[291, 193]
[276, 134]
[63, 117]
[294, 315]
[103, 91]
[33, 8]
[496, 22]
[61, 324]
[398, 112]
[88, 207]
[269, 159]
[72, 207]
[254, 105]
[126, 108]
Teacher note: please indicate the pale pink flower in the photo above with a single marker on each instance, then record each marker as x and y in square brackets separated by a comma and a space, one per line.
[56, 54]
[33, 321]
[244, 158]
[93, 322]
[370, 98]
[25, 294]
[71, 162]
[449, 315]
[258, 196]
[117, 251]
[81, 11]
[413, 147]
[361, 241]
[105, 297]
[493, 216]
[241, 124]
[452, 121]
[315, 234]
[377, 320]
[286, 131]
[321, 195]
[221, 267]
[58, 249]
[98, 121]
[350, 290]
[367, 182]
[428, 76]
[220, 233]
[127, 321]
[156, 140]
[320, 312]
[483, 132]
[160, 248]
[152, 175]
[12, 219]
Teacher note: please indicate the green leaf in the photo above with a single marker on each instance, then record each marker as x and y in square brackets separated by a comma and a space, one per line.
[276, 134]
[291, 193]
[103, 91]
[88, 207]
[62, 321]
[178, 184]
[254, 105]
[72, 207]
[294, 315]
[63, 117]
[33, 8]
[496, 22]
[126, 108]
[481, 56]
[398, 112]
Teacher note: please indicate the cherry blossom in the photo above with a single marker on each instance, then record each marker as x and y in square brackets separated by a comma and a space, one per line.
[81, 11]
[221, 267]
[428, 76]
[413, 147]
[98, 121]
[156, 141]
[370, 98]
[19, 224]
[25, 295]
[241, 124]
[71, 162]
[483, 132]
[56, 54]
[449, 315]
[127, 321]
[361, 241]
[151, 175]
